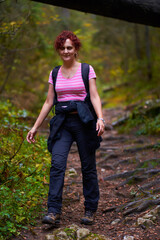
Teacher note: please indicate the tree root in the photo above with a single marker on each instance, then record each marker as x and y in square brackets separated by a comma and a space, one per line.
[121, 162]
[145, 175]
[125, 174]
[112, 155]
[116, 139]
[109, 209]
[136, 149]
[132, 179]
[143, 206]
[151, 184]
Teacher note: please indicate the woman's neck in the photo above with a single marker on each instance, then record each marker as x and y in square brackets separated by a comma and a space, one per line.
[70, 64]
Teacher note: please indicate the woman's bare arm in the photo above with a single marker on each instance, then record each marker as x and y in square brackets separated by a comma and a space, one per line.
[43, 114]
[96, 102]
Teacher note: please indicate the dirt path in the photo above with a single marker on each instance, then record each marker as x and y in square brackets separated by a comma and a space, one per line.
[117, 154]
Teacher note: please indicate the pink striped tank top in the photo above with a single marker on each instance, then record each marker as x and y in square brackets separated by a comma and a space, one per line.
[71, 89]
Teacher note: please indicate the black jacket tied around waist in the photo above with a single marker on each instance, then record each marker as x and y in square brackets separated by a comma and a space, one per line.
[86, 116]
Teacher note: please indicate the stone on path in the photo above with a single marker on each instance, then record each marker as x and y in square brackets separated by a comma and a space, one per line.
[82, 233]
[143, 221]
[128, 238]
[71, 172]
[149, 218]
[74, 232]
[115, 221]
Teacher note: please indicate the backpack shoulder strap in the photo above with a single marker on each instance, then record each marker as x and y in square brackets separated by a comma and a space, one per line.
[54, 78]
[85, 75]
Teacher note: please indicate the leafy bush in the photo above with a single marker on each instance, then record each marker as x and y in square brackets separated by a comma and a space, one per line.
[23, 173]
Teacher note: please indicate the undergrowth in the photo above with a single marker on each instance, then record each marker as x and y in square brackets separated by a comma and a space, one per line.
[144, 119]
[142, 126]
[24, 171]
[138, 94]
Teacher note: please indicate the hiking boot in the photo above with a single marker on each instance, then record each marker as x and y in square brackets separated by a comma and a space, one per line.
[88, 217]
[51, 218]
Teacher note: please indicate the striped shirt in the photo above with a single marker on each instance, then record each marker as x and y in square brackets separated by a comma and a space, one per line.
[71, 89]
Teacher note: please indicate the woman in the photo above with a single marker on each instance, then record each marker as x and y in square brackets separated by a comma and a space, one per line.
[74, 121]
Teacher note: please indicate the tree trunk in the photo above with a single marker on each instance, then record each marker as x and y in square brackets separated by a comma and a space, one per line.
[137, 42]
[148, 53]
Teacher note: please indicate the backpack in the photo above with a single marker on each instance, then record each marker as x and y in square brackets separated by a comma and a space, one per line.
[85, 77]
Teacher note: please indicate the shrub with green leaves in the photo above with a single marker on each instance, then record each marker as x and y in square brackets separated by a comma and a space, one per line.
[24, 171]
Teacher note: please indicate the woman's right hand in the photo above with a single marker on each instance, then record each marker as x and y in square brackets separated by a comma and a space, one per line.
[31, 134]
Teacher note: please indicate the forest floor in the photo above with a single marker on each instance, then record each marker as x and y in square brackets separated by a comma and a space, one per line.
[118, 155]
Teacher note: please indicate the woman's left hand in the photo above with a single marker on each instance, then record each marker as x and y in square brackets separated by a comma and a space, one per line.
[100, 127]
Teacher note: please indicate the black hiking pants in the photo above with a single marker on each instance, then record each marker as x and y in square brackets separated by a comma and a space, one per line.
[72, 130]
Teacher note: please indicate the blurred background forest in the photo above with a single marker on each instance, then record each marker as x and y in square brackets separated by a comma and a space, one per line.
[123, 54]
[126, 58]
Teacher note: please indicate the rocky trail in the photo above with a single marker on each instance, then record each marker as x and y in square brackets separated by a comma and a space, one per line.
[129, 178]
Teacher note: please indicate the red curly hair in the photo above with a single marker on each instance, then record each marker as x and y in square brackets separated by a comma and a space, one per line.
[63, 36]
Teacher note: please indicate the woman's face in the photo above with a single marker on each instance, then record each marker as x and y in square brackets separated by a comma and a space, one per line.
[68, 51]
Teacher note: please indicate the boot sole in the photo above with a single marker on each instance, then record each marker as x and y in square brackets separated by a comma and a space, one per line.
[51, 222]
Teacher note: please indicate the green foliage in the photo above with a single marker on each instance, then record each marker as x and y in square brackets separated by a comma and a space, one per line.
[71, 233]
[144, 119]
[115, 48]
[27, 59]
[23, 173]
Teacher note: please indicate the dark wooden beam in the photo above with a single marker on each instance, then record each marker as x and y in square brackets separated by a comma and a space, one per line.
[137, 11]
